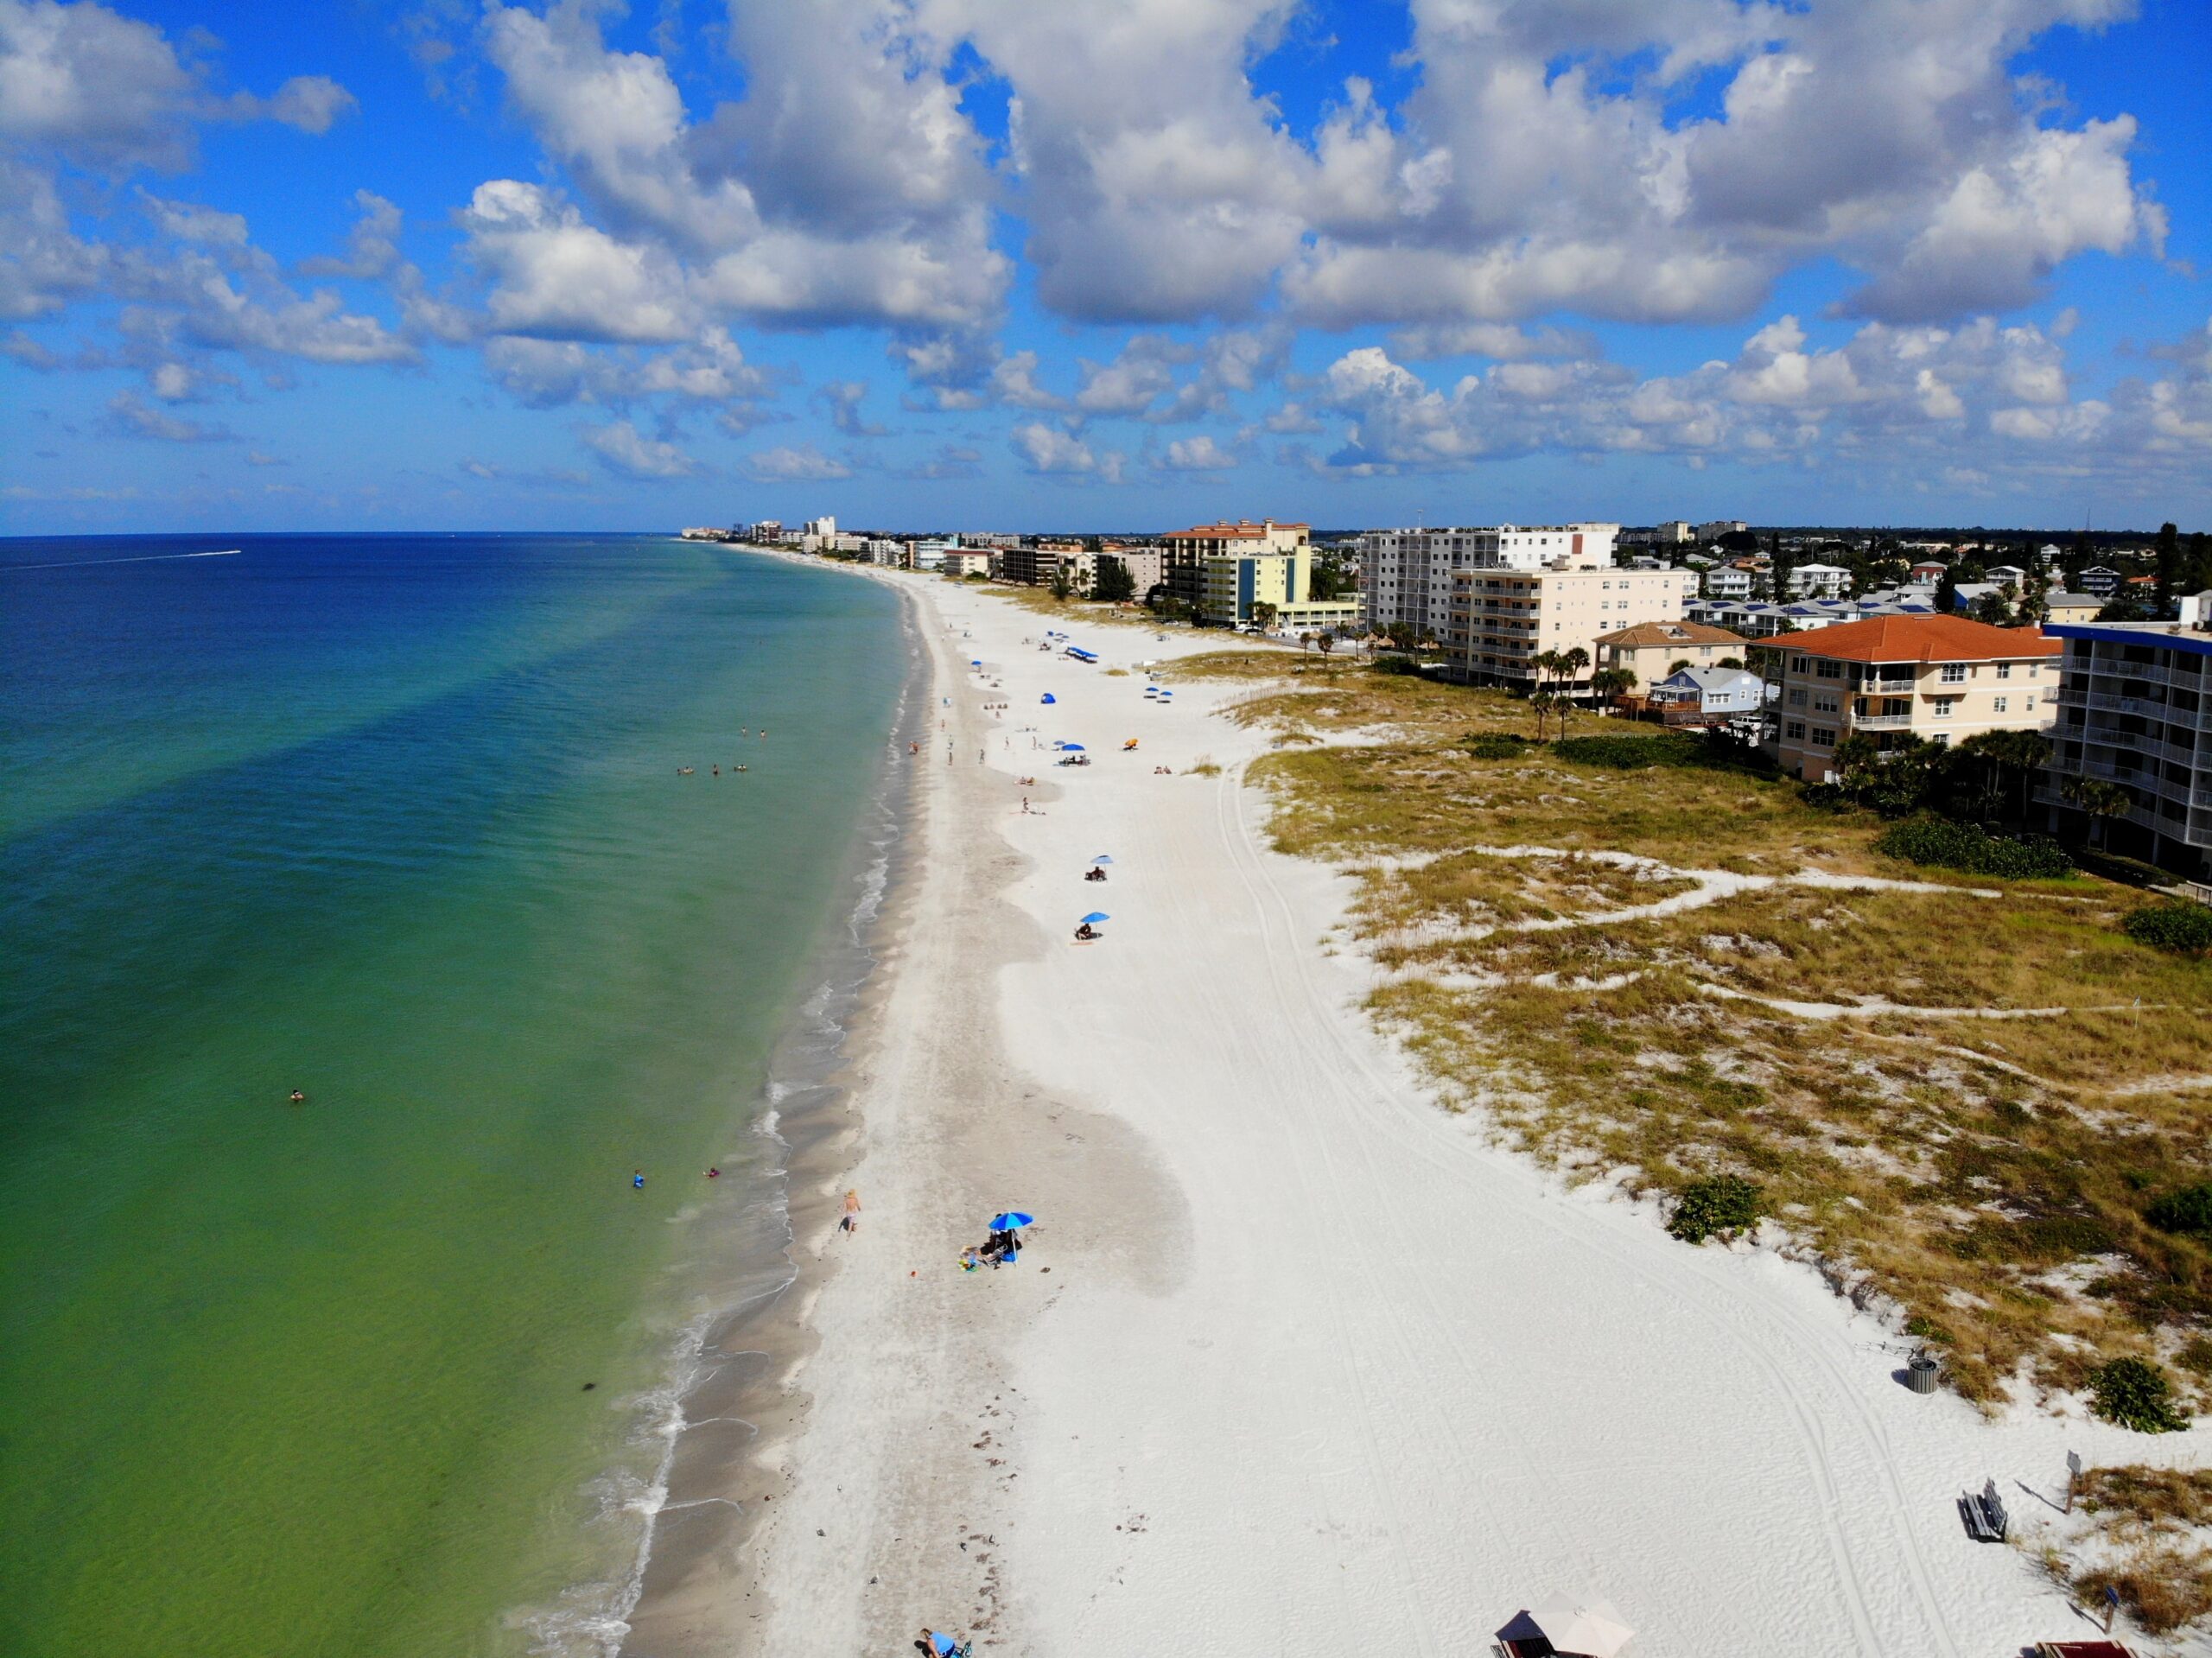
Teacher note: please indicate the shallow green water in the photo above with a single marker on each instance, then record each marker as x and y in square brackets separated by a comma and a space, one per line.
[395, 821]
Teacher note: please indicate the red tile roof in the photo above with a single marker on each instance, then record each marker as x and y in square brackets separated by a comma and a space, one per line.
[1214, 532]
[1918, 639]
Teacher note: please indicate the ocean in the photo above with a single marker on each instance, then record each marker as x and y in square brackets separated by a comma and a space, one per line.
[398, 821]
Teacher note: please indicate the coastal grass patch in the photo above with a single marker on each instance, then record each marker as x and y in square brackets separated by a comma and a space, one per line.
[1829, 1043]
[2151, 1551]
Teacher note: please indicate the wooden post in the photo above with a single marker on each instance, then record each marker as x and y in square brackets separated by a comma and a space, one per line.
[2073, 1473]
[2112, 1605]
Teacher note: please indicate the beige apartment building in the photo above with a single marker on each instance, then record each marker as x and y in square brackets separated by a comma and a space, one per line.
[1651, 650]
[1503, 620]
[1939, 678]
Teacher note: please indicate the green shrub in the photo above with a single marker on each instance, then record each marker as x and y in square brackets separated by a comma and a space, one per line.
[1940, 842]
[2189, 1210]
[1725, 1204]
[2182, 927]
[1630, 753]
[1396, 664]
[1497, 746]
[2133, 1391]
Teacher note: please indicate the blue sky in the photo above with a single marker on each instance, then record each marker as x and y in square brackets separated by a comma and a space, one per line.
[990, 265]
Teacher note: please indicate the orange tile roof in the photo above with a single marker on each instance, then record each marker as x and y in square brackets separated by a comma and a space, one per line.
[1214, 531]
[1918, 639]
[1671, 633]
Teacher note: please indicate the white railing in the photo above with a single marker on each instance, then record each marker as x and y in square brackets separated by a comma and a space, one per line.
[1881, 721]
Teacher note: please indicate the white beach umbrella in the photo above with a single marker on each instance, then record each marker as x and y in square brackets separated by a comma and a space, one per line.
[1575, 1628]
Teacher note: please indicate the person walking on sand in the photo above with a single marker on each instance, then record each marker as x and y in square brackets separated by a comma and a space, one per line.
[850, 1221]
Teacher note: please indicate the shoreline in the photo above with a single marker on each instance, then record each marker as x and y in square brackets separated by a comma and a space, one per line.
[698, 1563]
[1299, 1359]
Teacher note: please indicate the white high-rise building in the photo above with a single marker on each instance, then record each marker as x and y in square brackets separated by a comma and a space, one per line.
[1405, 574]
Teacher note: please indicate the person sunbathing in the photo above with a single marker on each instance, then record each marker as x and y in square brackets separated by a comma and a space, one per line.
[1095, 874]
[1085, 933]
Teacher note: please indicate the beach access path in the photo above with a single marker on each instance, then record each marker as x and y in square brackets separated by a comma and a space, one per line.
[1315, 1368]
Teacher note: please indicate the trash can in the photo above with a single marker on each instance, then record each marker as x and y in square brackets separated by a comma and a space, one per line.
[1920, 1371]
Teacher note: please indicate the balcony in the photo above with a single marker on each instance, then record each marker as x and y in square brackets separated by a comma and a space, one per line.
[2070, 696]
[2113, 704]
[1881, 723]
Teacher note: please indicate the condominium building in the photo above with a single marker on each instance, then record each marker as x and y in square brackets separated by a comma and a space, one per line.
[2135, 708]
[1503, 620]
[1147, 566]
[1040, 563]
[1407, 574]
[1184, 552]
[1726, 581]
[1939, 678]
[1818, 582]
[964, 561]
[1652, 651]
[1282, 581]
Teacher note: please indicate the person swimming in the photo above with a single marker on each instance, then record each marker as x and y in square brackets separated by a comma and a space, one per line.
[636, 1179]
[298, 1098]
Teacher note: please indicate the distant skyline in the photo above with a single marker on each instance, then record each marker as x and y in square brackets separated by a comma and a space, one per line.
[1127, 264]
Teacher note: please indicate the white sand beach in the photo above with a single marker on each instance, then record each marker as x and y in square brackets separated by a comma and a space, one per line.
[1296, 1362]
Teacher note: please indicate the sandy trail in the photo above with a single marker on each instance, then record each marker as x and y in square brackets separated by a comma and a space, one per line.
[1316, 1369]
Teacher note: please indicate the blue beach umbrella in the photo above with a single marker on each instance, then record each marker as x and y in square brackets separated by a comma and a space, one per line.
[1097, 915]
[1049, 697]
[1013, 1221]
[1101, 858]
[1072, 747]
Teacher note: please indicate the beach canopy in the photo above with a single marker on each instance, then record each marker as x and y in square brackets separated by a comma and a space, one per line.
[1571, 1627]
[1013, 1221]
[1101, 858]
[1049, 697]
[1075, 748]
[1097, 915]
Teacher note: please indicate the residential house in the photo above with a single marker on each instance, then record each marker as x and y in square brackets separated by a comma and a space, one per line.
[2062, 607]
[1651, 650]
[1728, 582]
[1819, 581]
[2102, 580]
[1940, 678]
[2008, 575]
[2135, 709]
[1709, 696]
[1927, 573]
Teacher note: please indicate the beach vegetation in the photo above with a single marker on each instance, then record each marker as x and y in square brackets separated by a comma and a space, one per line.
[2133, 1393]
[1941, 843]
[2182, 927]
[2152, 1523]
[1961, 1096]
[1722, 1206]
[2189, 1210]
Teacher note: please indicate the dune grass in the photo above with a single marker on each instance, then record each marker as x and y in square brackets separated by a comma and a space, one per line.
[1988, 1176]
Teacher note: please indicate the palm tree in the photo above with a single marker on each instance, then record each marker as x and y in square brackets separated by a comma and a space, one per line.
[1572, 664]
[2100, 800]
[1608, 683]
[1304, 642]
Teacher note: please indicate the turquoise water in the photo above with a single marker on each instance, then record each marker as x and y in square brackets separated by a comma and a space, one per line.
[395, 821]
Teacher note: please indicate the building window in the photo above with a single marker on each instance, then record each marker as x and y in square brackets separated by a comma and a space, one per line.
[1794, 731]
[2001, 704]
[1823, 737]
[1798, 665]
[1944, 705]
[1955, 673]
[1797, 698]
[1826, 702]
[1829, 670]
[2003, 670]
[2031, 705]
